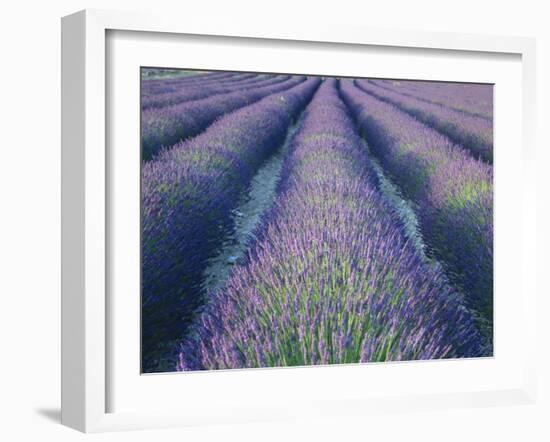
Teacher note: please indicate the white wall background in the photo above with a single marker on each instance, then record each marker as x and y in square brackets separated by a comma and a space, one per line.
[30, 216]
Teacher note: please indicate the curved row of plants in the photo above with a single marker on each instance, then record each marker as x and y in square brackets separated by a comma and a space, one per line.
[168, 125]
[160, 86]
[453, 192]
[188, 193]
[472, 99]
[474, 133]
[332, 277]
[202, 90]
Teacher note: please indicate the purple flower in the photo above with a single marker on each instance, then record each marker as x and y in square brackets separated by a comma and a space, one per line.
[332, 268]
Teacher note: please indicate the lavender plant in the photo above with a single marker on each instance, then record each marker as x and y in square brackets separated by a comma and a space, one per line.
[473, 133]
[188, 193]
[167, 125]
[192, 92]
[452, 191]
[171, 84]
[332, 277]
[472, 99]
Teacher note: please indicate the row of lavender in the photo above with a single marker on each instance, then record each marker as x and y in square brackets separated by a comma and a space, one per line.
[472, 99]
[188, 193]
[453, 191]
[332, 277]
[165, 126]
[204, 89]
[160, 86]
[474, 133]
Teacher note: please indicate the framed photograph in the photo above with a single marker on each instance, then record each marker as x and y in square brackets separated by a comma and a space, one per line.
[251, 212]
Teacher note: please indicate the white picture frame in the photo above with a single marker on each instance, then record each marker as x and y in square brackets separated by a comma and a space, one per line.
[86, 204]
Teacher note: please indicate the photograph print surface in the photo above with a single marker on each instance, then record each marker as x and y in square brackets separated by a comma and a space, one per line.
[299, 220]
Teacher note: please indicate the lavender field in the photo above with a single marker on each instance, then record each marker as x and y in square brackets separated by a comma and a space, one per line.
[293, 220]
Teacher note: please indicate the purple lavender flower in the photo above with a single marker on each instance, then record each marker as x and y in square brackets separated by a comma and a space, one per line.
[332, 277]
[188, 193]
[474, 133]
[453, 191]
[471, 99]
[165, 85]
[190, 92]
[163, 127]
